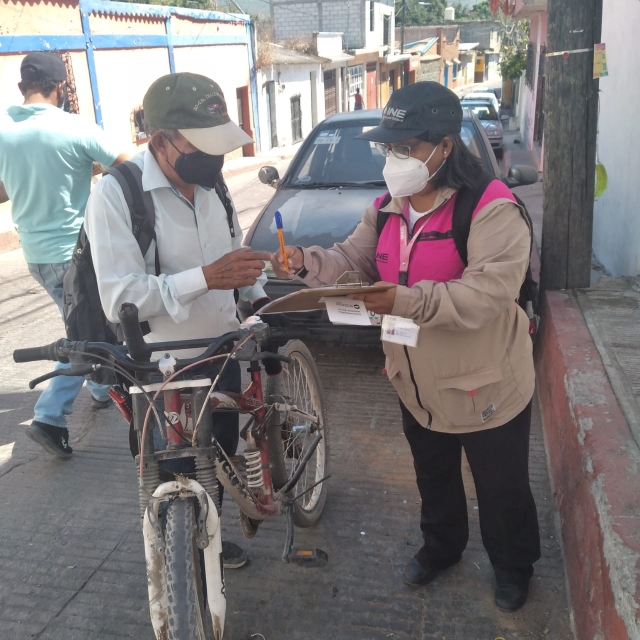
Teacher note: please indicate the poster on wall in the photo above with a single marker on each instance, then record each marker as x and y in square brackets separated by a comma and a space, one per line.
[600, 69]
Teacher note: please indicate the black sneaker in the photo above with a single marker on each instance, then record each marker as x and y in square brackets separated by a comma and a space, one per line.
[233, 557]
[100, 404]
[418, 574]
[511, 597]
[54, 440]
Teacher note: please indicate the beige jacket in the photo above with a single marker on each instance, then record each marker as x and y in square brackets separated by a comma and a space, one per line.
[473, 367]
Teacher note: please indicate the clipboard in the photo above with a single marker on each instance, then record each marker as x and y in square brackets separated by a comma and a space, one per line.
[311, 299]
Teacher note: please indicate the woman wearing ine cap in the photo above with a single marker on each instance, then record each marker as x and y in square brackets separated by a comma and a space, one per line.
[464, 372]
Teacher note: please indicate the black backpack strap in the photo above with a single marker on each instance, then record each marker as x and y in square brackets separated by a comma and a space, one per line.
[383, 216]
[140, 203]
[466, 202]
[223, 193]
[142, 212]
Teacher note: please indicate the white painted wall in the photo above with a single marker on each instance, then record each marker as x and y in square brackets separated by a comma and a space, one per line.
[292, 80]
[616, 227]
[374, 39]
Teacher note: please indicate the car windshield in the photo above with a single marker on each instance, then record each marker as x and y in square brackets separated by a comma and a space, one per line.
[484, 110]
[333, 157]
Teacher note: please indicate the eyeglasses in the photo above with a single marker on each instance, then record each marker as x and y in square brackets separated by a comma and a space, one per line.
[400, 151]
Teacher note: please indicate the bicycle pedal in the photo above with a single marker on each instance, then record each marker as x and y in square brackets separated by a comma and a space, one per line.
[309, 557]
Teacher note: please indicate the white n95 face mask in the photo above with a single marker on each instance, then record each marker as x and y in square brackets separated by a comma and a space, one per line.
[407, 176]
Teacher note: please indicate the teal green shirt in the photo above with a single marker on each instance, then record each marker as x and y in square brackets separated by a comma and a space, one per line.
[46, 158]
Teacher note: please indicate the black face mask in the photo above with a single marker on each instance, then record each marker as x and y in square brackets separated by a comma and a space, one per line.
[198, 167]
[62, 98]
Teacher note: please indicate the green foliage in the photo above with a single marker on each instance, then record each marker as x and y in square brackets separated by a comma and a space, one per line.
[513, 52]
[419, 15]
[189, 4]
[480, 11]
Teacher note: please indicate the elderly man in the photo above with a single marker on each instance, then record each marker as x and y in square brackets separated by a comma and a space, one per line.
[46, 161]
[201, 256]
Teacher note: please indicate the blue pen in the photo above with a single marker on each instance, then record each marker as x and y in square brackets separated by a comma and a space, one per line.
[278, 218]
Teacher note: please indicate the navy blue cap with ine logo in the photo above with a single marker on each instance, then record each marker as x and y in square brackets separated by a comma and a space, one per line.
[423, 107]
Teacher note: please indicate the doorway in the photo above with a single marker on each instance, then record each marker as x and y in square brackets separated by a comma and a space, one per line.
[244, 119]
[372, 93]
[271, 113]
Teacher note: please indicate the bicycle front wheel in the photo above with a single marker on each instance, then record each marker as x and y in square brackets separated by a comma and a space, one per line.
[290, 436]
[184, 578]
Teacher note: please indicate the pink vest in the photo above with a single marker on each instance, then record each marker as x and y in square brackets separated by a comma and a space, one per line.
[434, 255]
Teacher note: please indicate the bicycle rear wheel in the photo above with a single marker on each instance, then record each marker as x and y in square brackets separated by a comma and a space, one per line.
[290, 436]
[184, 578]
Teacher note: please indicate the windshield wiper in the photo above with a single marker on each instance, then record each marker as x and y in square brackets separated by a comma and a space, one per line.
[337, 185]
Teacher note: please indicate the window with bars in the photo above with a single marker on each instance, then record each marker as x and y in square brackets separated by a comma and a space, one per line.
[386, 34]
[355, 75]
[296, 119]
[531, 65]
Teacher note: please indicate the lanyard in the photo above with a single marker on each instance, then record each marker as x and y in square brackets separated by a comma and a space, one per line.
[406, 246]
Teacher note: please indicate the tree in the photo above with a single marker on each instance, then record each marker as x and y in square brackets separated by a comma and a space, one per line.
[421, 14]
[190, 4]
[515, 41]
[480, 11]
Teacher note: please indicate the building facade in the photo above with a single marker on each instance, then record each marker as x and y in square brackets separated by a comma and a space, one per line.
[616, 223]
[114, 51]
[291, 97]
[367, 28]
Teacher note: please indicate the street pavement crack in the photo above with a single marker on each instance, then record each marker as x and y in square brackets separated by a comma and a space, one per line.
[83, 585]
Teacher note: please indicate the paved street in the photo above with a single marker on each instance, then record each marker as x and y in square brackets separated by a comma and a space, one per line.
[70, 543]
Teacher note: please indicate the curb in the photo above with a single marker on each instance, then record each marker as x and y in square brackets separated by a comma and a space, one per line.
[9, 241]
[594, 466]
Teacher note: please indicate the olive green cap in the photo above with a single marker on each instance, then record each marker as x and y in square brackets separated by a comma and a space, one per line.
[195, 106]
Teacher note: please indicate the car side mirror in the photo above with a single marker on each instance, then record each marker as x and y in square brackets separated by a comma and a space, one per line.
[269, 176]
[520, 175]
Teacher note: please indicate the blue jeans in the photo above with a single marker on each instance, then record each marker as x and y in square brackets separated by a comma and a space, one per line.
[56, 401]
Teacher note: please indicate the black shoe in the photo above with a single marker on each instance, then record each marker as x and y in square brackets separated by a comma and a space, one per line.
[417, 575]
[233, 557]
[511, 597]
[100, 404]
[54, 440]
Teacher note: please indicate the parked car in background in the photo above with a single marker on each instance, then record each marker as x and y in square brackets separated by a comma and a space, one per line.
[490, 121]
[481, 96]
[323, 196]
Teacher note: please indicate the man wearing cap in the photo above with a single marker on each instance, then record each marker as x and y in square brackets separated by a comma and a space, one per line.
[46, 162]
[202, 259]
[461, 360]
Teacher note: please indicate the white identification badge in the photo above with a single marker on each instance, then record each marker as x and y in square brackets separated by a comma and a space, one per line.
[400, 331]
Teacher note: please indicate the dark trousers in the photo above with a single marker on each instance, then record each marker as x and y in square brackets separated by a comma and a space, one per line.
[226, 426]
[499, 461]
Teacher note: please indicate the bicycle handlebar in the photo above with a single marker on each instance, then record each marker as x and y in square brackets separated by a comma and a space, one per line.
[32, 354]
[138, 348]
[140, 351]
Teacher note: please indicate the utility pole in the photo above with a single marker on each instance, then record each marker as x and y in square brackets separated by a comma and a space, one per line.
[404, 20]
[570, 129]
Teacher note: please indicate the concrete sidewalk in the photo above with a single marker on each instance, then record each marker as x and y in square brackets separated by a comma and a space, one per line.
[242, 165]
[71, 548]
[588, 371]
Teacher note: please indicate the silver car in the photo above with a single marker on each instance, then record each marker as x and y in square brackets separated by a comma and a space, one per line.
[490, 120]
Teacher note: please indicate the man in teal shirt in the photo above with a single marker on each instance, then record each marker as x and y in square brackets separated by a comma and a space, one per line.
[46, 164]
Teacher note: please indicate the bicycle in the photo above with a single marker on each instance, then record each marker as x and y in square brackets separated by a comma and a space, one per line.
[282, 470]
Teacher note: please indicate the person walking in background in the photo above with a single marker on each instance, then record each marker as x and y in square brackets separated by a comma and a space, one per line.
[358, 101]
[46, 164]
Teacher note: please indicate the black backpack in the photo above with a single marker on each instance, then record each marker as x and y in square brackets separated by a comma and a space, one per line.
[466, 202]
[83, 315]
